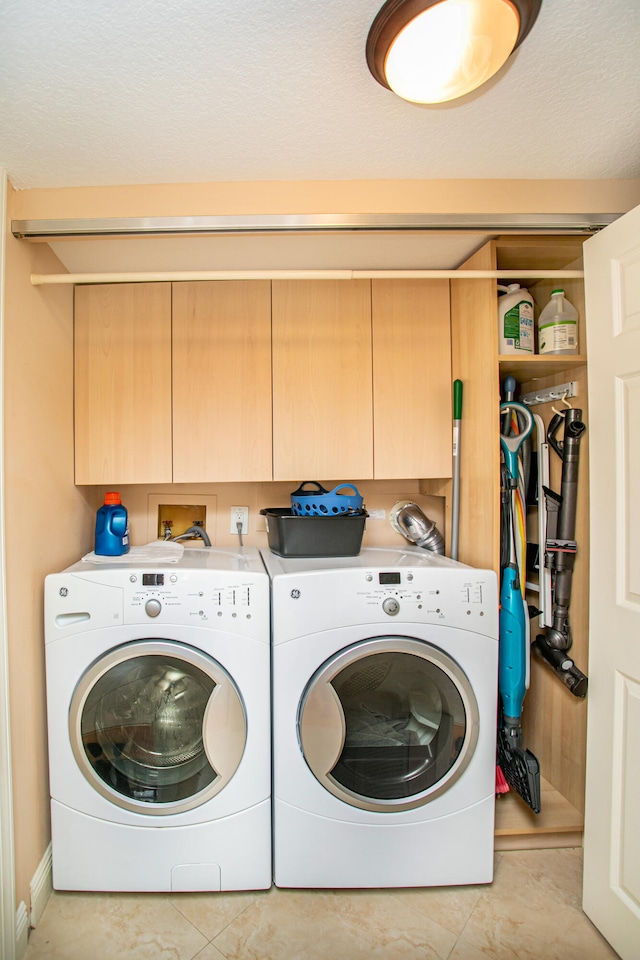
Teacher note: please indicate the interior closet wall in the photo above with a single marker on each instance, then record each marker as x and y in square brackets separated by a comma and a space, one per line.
[47, 519]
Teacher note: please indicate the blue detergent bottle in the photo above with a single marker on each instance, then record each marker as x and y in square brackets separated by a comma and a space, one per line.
[112, 527]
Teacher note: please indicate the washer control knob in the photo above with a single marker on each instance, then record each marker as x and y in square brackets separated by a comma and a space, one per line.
[152, 608]
[390, 606]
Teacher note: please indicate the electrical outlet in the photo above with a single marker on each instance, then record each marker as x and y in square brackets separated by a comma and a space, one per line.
[239, 515]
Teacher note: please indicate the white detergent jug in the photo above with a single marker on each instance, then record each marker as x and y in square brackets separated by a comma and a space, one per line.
[515, 318]
[558, 326]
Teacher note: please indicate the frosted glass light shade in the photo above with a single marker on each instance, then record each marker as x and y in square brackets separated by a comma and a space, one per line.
[432, 51]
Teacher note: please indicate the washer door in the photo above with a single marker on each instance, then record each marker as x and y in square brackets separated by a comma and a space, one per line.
[388, 724]
[157, 725]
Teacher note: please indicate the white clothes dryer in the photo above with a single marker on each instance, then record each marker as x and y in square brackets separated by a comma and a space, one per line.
[385, 670]
[158, 700]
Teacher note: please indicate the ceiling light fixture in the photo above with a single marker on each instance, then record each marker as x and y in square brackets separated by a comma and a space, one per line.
[431, 51]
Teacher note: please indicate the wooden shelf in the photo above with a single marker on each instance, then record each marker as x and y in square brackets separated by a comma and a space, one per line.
[547, 252]
[559, 824]
[537, 367]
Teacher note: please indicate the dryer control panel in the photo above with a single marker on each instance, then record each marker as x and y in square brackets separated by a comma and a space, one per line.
[428, 595]
[459, 596]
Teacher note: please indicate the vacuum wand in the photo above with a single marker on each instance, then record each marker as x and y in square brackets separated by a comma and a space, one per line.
[561, 549]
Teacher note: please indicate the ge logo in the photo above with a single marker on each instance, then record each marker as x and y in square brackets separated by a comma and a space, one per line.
[295, 594]
[63, 591]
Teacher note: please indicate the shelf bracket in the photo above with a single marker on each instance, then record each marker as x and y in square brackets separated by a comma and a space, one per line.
[559, 392]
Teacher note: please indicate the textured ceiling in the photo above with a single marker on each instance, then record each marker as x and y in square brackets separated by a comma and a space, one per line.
[97, 92]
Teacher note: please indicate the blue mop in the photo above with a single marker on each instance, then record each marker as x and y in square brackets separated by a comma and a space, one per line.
[519, 766]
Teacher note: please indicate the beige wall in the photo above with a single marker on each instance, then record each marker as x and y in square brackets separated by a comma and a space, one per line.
[353, 196]
[47, 519]
[218, 498]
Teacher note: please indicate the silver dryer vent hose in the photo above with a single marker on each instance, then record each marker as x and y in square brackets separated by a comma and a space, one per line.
[408, 519]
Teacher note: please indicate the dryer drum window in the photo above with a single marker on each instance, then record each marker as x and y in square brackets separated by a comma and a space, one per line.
[389, 723]
[158, 723]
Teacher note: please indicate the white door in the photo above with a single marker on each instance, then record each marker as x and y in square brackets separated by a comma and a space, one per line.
[612, 819]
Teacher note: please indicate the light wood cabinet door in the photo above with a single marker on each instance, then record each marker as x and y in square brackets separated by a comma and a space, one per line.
[322, 380]
[222, 381]
[411, 379]
[123, 383]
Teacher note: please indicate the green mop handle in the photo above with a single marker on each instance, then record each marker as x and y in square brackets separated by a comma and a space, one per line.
[455, 500]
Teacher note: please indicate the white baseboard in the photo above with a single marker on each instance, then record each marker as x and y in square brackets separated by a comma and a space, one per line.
[39, 890]
[22, 930]
[40, 887]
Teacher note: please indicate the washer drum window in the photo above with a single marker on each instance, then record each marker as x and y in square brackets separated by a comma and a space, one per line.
[157, 726]
[388, 724]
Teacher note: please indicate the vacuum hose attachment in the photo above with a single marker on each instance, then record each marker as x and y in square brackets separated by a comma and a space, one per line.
[412, 523]
[563, 665]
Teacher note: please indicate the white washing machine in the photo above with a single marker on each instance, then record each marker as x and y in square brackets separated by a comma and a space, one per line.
[158, 698]
[385, 670]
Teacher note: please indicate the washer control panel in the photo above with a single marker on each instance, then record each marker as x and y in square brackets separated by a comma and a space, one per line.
[192, 592]
[192, 597]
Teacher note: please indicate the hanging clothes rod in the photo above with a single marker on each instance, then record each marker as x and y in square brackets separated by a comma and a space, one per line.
[38, 279]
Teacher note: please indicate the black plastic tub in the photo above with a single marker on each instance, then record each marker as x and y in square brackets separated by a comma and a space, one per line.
[291, 536]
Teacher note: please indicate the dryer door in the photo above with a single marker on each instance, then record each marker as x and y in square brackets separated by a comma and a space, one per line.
[157, 726]
[388, 724]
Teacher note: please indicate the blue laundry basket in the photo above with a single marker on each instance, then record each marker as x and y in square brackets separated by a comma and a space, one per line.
[324, 503]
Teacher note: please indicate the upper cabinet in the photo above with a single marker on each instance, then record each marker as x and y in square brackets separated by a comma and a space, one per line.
[322, 379]
[361, 379]
[222, 381]
[231, 381]
[411, 378]
[123, 383]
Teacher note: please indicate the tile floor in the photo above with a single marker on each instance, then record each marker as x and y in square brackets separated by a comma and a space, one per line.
[530, 912]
